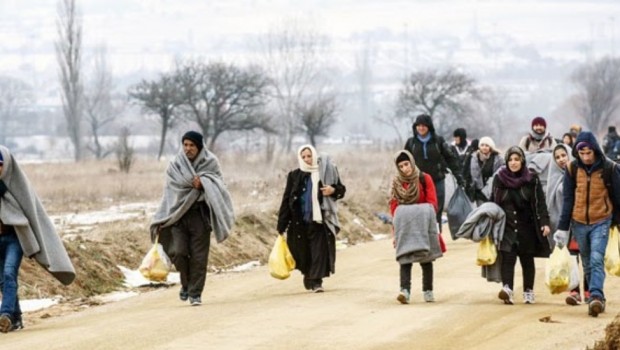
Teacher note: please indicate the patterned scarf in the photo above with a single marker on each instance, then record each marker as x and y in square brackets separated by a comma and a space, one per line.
[411, 194]
[314, 178]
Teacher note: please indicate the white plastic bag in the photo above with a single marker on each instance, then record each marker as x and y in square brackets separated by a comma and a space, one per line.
[156, 264]
[574, 273]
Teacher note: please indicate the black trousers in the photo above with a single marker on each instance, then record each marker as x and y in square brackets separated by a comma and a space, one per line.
[319, 254]
[509, 259]
[190, 246]
[427, 276]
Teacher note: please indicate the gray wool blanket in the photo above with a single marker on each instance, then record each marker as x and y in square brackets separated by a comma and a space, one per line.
[554, 193]
[179, 195]
[415, 230]
[329, 175]
[539, 163]
[20, 207]
[487, 219]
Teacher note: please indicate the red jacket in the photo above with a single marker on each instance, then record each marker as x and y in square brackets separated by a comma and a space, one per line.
[427, 194]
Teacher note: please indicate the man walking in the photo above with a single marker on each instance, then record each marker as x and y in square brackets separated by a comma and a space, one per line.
[25, 230]
[539, 139]
[591, 182]
[195, 201]
[433, 155]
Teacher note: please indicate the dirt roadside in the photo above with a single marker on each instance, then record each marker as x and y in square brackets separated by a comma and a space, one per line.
[251, 310]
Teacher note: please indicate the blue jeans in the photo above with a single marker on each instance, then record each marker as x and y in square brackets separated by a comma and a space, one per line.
[592, 240]
[10, 258]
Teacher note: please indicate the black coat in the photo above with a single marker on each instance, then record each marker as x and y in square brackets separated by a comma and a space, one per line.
[526, 212]
[290, 220]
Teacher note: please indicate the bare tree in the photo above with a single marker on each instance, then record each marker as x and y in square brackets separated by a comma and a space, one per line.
[293, 56]
[69, 53]
[496, 117]
[159, 97]
[598, 96]
[101, 106]
[317, 116]
[14, 95]
[220, 97]
[447, 96]
[124, 151]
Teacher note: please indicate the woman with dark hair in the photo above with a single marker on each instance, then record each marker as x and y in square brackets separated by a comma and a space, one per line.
[520, 194]
[413, 205]
[309, 215]
[568, 139]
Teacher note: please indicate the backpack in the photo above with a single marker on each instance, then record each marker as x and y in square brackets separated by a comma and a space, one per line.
[614, 153]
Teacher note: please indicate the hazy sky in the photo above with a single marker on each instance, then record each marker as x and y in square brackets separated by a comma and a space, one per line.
[165, 26]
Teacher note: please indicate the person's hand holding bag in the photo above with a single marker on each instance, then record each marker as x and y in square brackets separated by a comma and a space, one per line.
[561, 238]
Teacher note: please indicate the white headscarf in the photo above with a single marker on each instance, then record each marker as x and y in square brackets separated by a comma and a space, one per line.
[314, 177]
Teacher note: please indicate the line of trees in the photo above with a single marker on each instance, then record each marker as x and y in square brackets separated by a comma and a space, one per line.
[291, 92]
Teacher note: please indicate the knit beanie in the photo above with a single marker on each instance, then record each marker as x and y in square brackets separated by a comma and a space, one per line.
[195, 137]
[485, 140]
[539, 121]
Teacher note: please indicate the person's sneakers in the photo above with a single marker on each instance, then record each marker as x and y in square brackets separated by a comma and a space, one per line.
[573, 298]
[195, 301]
[6, 324]
[595, 307]
[317, 288]
[403, 296]
[528, 297]
[428, 296]
[586, 296]
[506, 295]
[183, 295]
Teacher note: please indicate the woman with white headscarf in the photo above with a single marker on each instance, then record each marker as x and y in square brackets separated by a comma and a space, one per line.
[308, 213]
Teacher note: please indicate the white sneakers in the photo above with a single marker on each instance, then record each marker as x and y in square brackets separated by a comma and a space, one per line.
[528, 297]
[506, 295]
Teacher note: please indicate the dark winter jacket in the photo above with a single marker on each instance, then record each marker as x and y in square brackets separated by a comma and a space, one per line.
[290, 219]
[589, 183]
[439, 154]
[526, 213]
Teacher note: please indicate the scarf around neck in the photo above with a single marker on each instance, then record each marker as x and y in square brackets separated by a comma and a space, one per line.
[411, 194]
[313, 169]
[514, 180]
[424, 141]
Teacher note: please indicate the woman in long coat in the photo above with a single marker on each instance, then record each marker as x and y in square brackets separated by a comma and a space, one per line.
[309, 212]
[520, 194]
[484, 163]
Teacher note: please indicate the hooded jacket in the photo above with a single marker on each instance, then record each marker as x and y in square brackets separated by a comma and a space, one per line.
[438, 155]
[586, 199]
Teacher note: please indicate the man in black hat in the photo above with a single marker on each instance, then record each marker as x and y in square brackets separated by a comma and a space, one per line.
[195, 202]
[433, 156]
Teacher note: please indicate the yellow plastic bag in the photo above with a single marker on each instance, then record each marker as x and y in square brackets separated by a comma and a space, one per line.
[156, 263]
[487, 253]
[558, 270]
[612, 253]
[281, 262]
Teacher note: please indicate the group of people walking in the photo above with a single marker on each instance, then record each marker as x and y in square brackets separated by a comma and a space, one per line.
[550, 192]
[580, 204]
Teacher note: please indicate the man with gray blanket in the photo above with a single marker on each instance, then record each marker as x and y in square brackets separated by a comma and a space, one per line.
[195, 201]
[25, 230]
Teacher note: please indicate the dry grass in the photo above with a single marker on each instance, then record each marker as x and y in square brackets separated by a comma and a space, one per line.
[256, 189]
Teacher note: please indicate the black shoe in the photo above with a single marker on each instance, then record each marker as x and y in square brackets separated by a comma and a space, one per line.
[318, 288]
[18, 324]
[183, 295]
[6, 324]
[308, 283]
[195, 301]
[595, 307]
